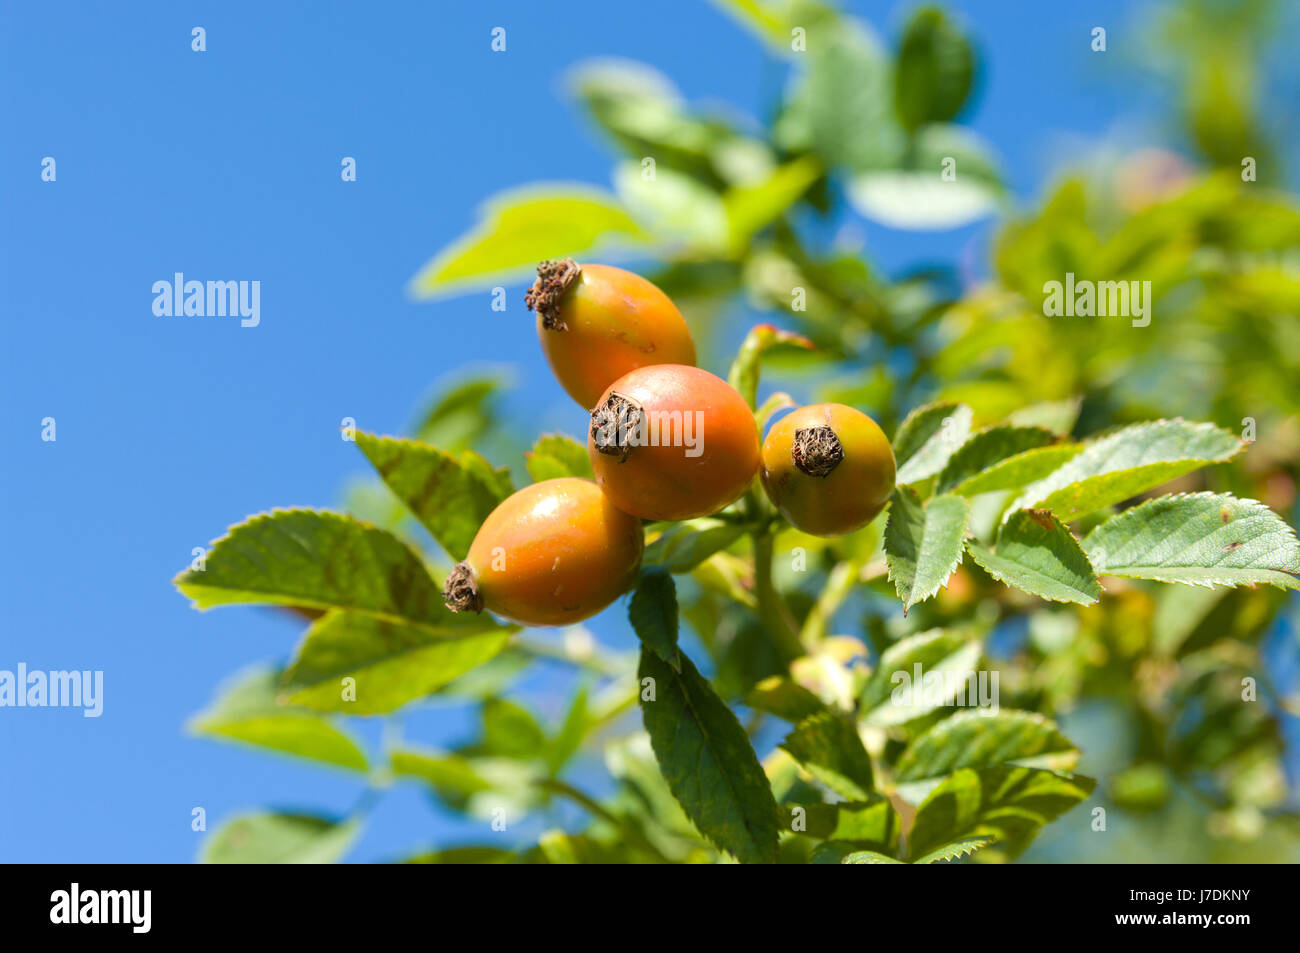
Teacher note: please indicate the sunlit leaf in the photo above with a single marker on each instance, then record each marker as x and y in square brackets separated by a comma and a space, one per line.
[1128, 462]
[1035, 552]
[1203, 539]
[927, 437]
[946, 178]
[556, 455]
[522, 227]
[1005, 803]
[987, 449]
[385, 664]
[450, 495]
[898, 692]
[923, 543]
[280, 839]
[248, 712]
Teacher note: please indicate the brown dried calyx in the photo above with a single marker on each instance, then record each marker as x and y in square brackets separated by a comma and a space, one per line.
[816, 451]
[616, 425]
[553, 279]
[460, 592]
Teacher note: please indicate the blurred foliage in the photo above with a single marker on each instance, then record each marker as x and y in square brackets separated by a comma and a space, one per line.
[1146, 690]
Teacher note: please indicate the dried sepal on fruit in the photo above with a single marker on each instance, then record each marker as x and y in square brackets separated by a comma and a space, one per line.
[596, 323]
[672, 442]
[828, 469]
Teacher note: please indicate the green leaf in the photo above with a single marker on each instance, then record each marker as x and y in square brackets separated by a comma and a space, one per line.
[521, 227]
[1201, 539]
[674, 206]
[1058, 416]
[987, 449]
[247, 712]
[928, 437]
[1018, 470]
[745, 369]
[750, 208]
[866, 857]
[452, 775]
[1006, 803]
[680, 547]
[458, 416]
[450, 495]
[578, 721]
[470, 854]
[871, 823]
[707, 760]
[956, 849]
[828, 747]
[981, 739]
[510, 730]
[316, 560]
[773, 20]
[788, 700]
[894, 696]
[267, 838]
[653, 613]
[390, 663]
[842, 110]
[1035, 552]
[947, 178]
[1128, 462]
[556, 455]
[923, 543]
[932, 76]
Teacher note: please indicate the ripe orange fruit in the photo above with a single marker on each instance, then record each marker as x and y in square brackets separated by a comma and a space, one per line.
[553, 553]
[828, 469]
[596, 323]
[671, 442]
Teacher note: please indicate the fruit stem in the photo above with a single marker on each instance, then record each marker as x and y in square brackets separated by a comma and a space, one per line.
[772, 610]
[771, 607]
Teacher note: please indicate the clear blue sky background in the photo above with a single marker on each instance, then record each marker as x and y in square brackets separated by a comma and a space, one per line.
[225, 164]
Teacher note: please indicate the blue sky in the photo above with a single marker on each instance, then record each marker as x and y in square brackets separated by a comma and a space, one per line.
[225, 164]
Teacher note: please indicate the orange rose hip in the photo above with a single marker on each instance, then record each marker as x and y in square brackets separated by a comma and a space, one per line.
[828, 469]
[553, 553]
[597, 322]
[672, 442]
